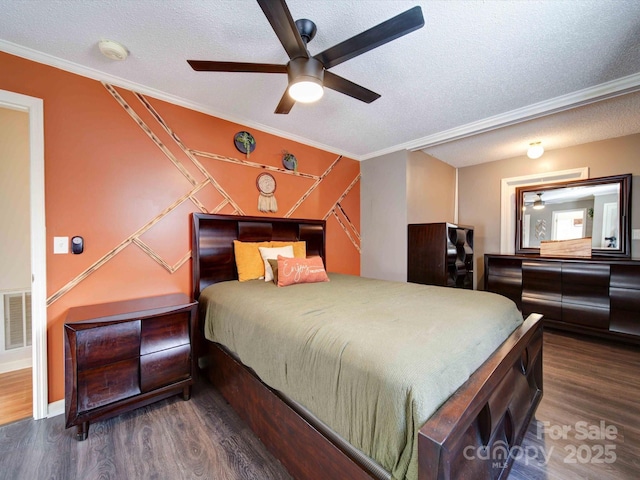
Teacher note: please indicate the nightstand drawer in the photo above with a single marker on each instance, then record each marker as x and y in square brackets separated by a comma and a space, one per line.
[110, 383]
[108, 344]
[164, 331]
[165, 367]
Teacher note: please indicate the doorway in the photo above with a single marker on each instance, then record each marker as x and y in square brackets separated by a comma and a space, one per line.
[33, 107]
[15, 264]
[609, 225]
[568, 224]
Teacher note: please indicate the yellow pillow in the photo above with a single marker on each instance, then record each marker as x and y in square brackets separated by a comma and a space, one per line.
[248, 260]
[299, 248]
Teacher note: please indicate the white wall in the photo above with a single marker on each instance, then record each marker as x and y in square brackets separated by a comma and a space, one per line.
[395, 190]
[431, 189]
[479, 186]
[15, 216]
[411, 187]
[383, 217]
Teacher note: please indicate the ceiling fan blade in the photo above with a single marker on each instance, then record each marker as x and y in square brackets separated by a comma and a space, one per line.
[211, 66]
[286, 103]
[393, 28]
[282, 23]
[342, 85]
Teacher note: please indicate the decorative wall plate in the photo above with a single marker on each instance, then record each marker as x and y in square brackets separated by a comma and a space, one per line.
[244, 142]
[289, 161]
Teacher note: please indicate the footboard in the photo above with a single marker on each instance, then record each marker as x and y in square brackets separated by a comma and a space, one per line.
[473, 435]
[299, 446]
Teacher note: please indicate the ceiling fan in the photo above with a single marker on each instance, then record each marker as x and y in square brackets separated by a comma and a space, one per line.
[308, 74]
[534, 200]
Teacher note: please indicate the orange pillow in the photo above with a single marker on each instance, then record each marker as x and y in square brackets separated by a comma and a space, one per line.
[248, 259]
[299, 248]
[300, 270]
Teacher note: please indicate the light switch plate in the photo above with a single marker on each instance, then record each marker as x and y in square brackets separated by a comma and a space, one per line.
[60, 245]
[635, 234]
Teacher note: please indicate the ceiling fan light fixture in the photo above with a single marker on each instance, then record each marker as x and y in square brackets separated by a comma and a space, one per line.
[306, 90]
[535, 150]
[306, 73]
[305, 80]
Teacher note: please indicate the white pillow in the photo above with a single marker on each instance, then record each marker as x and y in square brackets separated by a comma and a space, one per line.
[272, 253]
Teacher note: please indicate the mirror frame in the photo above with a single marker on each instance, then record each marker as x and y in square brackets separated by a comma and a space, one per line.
[624, 251]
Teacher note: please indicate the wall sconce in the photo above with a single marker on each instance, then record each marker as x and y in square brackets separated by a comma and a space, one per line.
[535, 150]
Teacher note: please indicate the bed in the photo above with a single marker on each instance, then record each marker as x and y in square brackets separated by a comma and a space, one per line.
[483, 419]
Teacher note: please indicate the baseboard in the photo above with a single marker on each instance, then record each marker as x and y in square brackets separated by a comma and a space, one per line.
[55, 408]
[20, 364]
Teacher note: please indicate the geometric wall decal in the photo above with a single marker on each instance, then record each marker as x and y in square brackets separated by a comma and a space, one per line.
[122, 245]
[206, 192]
[341, 216]
[313, 187]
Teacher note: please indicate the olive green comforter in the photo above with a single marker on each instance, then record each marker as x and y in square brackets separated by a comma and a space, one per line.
[372, 359]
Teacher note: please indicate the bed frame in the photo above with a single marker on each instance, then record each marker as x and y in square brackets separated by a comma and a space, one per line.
[470, 437]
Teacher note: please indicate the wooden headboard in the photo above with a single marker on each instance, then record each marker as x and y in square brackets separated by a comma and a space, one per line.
[213, 236]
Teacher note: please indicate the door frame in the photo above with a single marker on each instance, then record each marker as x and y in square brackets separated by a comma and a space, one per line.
[609, 211]
[34, 107]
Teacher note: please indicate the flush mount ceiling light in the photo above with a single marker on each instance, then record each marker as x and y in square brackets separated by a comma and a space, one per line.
[113, 50]
[535, 150]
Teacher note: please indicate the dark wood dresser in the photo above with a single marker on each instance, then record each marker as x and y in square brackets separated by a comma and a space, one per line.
[440, 254]
[591, 296]
[124, 355]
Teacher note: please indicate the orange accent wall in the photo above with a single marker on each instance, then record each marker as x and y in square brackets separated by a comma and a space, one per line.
[126, 191]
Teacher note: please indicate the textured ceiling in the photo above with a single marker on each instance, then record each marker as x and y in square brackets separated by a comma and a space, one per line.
[474, 65]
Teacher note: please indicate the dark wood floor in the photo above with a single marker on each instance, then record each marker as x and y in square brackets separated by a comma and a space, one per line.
[585, 381]
[198, 439]
[591, 391]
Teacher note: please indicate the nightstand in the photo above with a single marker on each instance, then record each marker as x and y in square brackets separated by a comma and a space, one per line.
[124, 355]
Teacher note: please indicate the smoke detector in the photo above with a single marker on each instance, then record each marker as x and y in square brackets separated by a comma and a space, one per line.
[113, 50]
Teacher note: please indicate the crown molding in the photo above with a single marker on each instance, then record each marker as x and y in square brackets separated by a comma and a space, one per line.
[100, 76]
[596, 93]
[603, 91]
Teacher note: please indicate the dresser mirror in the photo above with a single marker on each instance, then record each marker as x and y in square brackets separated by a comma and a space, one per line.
[595, 207]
